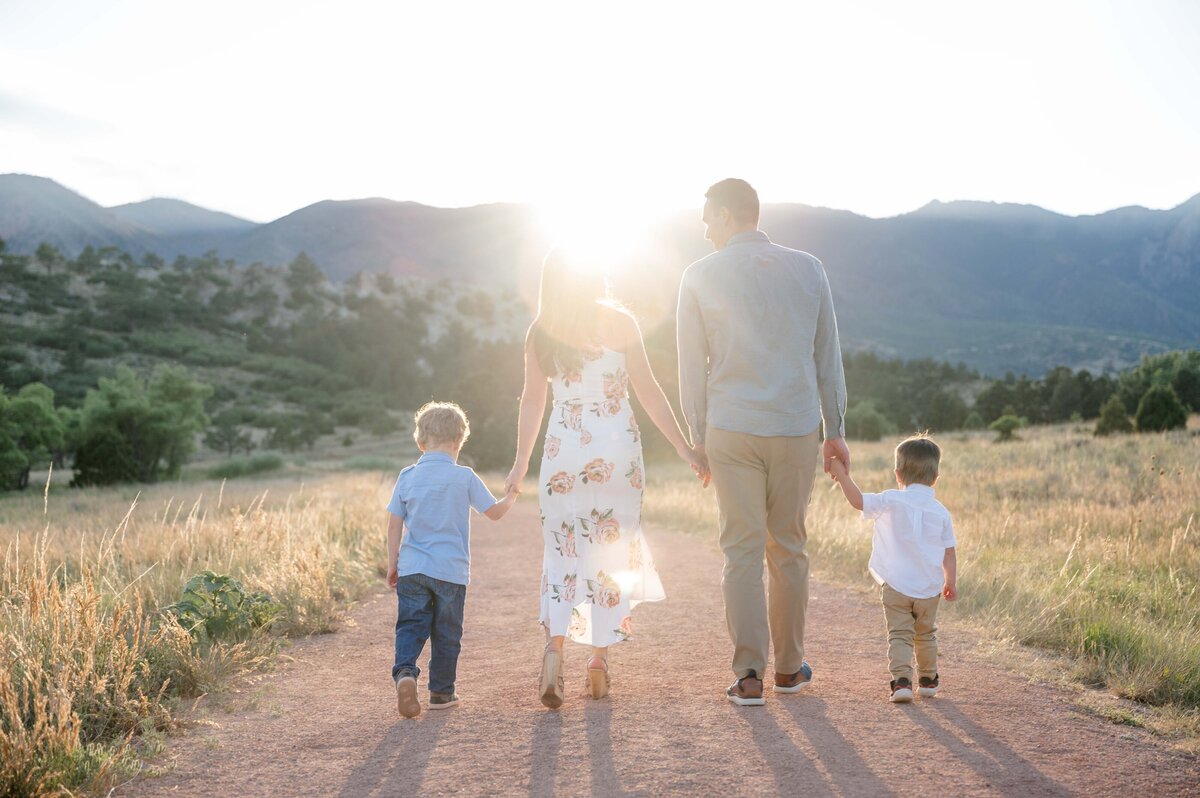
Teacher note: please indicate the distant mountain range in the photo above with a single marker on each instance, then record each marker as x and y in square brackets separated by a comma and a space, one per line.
[999, 286]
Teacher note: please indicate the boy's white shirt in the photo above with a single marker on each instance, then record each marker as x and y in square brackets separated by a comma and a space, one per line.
[912, 532]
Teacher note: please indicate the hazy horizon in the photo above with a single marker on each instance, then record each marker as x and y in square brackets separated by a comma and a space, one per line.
[259, 109]
[664, 213]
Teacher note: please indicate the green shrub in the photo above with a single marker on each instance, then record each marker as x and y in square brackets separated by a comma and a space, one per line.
[1113, 418]
[1160, 410]
[865, 423]
[1006, 426]
[245, 466]
[974, 421]
[217, 607]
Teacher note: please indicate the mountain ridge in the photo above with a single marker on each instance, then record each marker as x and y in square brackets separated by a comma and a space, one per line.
[997, 285]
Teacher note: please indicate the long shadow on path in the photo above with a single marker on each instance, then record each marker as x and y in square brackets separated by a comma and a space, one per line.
[995, 762]
[397, 763]
[543, 769]
[841, 762]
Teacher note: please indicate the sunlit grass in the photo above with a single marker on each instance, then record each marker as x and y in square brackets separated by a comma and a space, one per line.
[88, 662]
[1084, 546]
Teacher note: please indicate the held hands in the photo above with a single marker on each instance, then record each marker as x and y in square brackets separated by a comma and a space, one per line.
[512, 483]
[837, 469]
[949, 591]
[698, 460]
[835, 449]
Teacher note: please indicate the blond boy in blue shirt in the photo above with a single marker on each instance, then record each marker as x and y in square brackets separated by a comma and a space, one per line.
[429, 567]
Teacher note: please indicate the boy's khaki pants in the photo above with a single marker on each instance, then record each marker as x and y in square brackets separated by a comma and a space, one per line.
[912, 624]
[763, 485]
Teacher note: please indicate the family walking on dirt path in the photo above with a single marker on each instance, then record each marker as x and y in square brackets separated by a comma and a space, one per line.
[760, 370]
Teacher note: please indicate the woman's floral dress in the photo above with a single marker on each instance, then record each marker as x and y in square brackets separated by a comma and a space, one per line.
[597, 565]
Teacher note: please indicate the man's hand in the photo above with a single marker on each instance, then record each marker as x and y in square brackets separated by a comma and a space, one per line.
[393, 577]
[837, 469]
[699, 463]
[836, 448]
[949, 592]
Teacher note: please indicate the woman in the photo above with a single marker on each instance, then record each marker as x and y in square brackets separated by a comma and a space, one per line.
[596, 565]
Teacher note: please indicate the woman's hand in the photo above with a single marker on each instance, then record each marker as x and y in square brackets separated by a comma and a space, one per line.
[513, 481]
[698, 460]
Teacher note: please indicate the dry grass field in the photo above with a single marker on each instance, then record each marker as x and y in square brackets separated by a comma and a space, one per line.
[1082, 546]
[1085, 547]
[90, 669]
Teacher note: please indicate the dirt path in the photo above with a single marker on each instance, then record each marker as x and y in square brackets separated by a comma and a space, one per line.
[326, 725]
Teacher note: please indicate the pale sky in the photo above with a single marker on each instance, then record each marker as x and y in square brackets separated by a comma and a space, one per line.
[259, 107]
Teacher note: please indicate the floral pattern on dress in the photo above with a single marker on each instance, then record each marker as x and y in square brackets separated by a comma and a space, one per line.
[562, 482]
[634, 474]
[596, 561]
[601, 527]
[597, 471]
[604, 590]
[579, 626]
[565, 591]
[625, 630]
[565, 540]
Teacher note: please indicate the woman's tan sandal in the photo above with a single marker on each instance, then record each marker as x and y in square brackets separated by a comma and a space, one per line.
[597, 679]
[551, 688]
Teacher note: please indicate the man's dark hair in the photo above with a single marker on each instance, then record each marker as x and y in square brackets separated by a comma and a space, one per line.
[738, 196]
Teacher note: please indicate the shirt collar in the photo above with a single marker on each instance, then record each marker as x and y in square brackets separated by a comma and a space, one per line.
[917, 487]
[440, 457]
[748, 237]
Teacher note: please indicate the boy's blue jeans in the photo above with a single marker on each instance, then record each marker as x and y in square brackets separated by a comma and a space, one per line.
[429, 609]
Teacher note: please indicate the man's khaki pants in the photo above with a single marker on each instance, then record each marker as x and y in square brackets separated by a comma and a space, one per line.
[911, 623]
[763, 485]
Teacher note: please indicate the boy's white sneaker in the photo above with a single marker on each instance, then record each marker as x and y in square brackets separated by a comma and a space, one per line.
[901, 691]
[927, 687]
[406, 697]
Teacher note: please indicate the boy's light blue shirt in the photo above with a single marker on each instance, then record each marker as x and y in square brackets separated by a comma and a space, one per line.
[434, 498]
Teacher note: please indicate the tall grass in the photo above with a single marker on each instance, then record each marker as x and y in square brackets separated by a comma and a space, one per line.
[88, 662]
[1089, 547]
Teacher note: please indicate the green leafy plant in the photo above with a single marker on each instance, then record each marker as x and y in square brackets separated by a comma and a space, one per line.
[1113, 419]
[217, 607]
[1006, 426]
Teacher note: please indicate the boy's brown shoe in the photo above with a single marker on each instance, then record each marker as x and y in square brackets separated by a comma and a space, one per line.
[406, 696]
[746, 691]
[928, 687]
[443, 700]
[901, 691]
[794, 682]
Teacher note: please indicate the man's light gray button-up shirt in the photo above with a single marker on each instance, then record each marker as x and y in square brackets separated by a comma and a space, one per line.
[758, 342]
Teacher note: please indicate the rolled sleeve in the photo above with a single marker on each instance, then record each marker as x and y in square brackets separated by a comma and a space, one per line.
[481, 498]
[831, 379]
[693, 362]
[873, 505]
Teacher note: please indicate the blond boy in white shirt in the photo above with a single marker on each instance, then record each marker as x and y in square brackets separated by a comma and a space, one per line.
[912, 558]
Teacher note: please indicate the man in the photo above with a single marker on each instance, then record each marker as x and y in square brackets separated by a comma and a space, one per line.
[760, 368]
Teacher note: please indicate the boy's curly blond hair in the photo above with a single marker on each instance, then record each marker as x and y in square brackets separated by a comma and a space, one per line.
[440, 424]
[917, 459]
